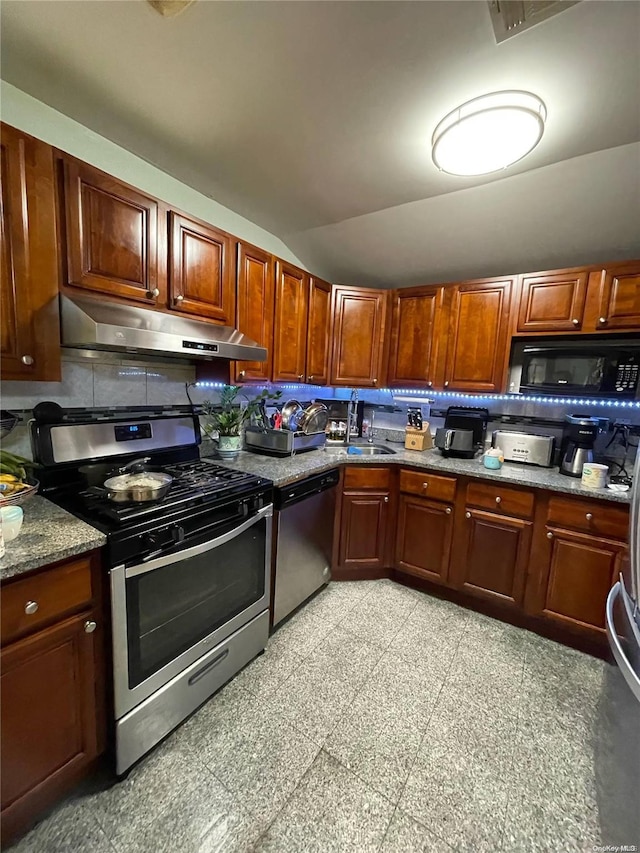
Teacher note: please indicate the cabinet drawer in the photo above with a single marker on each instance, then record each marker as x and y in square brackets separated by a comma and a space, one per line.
[500, 499]
[55, 592]
[428, 485]
[368, 477]
[590, 517]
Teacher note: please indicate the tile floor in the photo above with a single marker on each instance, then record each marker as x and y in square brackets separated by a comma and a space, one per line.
[379, 719]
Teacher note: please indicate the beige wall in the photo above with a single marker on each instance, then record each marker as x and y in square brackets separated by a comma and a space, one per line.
[26, 113]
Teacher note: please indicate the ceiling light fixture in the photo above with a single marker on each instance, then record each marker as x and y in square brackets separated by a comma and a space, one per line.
[488, 133]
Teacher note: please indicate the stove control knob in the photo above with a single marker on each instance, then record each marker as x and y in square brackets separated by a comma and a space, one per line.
[152, 542]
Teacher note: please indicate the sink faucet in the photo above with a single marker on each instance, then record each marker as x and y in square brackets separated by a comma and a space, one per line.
[352, 413]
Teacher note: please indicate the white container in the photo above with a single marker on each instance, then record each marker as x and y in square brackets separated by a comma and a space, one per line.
[594, 475]
[11, 518]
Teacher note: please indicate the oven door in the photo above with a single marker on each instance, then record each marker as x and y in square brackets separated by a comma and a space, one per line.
[169, 611]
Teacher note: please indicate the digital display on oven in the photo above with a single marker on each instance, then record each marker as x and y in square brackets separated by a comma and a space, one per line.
[129, 432]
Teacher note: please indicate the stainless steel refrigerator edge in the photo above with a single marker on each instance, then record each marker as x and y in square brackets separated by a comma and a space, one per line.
[617, 741]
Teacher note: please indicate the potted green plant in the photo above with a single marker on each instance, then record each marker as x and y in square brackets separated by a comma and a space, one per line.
[227, 417]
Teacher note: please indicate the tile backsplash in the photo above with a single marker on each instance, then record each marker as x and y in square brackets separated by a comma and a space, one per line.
[88, 382]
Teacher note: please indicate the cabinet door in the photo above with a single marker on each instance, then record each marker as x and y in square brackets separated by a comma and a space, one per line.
[363, 529]
[492, 562]
[112, 236]
[200, 270]
[423, 541]
[359, 318]
[619, 300]
[319, 332]
[255, 294]
[553, 302]
[415, 337]
[49, 716]
[577, 573]
[29, 321]
[290, 333]
[478, 349]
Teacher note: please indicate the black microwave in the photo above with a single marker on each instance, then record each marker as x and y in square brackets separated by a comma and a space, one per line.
[585, 370]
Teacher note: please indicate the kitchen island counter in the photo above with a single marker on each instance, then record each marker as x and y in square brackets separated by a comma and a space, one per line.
[48, 534]
[283, 471]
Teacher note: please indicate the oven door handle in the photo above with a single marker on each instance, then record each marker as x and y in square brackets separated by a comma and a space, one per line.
[185, 554]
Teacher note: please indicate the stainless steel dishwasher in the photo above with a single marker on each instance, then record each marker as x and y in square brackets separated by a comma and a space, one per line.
[305, 517]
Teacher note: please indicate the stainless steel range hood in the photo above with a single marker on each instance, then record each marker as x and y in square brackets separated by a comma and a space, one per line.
[94, 325]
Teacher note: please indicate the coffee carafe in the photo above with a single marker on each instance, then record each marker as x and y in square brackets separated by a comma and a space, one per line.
[578, 439]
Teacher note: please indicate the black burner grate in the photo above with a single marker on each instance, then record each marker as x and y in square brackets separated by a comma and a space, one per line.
[195, 483]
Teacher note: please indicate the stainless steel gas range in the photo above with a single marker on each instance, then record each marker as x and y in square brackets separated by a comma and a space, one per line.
[189, 575]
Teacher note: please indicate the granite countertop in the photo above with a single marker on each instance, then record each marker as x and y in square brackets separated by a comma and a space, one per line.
[284, 471]
[48, 534]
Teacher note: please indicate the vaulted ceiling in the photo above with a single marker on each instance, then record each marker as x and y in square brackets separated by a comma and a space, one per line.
[314, 120]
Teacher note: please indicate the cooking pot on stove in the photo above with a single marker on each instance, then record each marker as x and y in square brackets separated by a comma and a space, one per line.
[138, 488]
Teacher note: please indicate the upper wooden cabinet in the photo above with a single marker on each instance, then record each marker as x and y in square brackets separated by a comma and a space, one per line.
[478, 351]
[111, 236]
[319, 332]
[619, 298]
[360, 319]
[29, 334]
[552, 302]
[201, 270]
[255, 307]
[416, 341]
[290, 327]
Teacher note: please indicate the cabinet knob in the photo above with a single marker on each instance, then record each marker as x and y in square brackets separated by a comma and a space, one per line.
[310, 378]
[575, 321]
[549, 535]
[446, 384]
[498, 500]
[467, 515]
[375, 381]
[602, 320]
[386, 500]
[153, 294]
[425, 485]
[27, 359]
[31, 607]
[430, 384]
[300, 377]
[589, 516]
[178, 299]
[448, 510]
[90, 626]
[242, 374]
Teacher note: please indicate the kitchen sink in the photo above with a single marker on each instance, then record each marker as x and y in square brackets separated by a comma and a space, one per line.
[363, 450]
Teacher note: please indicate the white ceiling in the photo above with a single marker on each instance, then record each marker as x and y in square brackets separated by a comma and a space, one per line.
[313, 119]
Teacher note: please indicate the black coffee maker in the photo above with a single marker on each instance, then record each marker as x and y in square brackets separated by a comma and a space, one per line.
[578, 439]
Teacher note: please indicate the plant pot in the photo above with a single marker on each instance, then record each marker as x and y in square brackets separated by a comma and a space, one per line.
[229, 446]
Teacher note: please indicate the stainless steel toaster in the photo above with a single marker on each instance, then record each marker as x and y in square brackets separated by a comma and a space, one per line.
[525, 447]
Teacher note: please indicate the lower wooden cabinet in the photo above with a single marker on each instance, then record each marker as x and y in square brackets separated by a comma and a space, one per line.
[576, 573]
[539, 558]
[423, 540]
[363, 530]
[52, 714]
[493, 556]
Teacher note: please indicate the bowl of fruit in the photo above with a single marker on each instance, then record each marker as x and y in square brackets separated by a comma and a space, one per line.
[16, 485]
